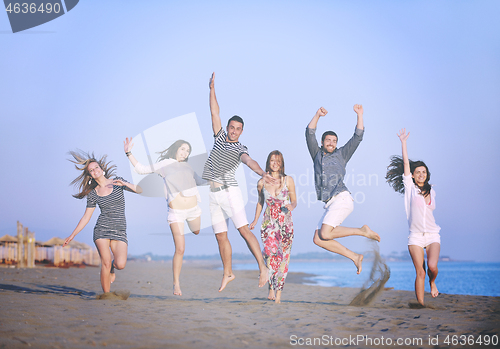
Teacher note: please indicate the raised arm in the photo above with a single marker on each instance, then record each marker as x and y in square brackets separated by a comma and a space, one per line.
[358, 108]
[214, 106]
[83, 222]
[403, 136]
[260, 204]
[138, 167]
[314, 122]
[352, 144]
[311, 141]
[254, 166]
[127, 146]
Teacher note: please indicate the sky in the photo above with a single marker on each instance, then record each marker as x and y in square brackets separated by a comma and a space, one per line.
[113, 69]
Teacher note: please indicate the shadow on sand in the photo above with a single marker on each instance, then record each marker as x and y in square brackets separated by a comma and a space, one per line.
[49, 289]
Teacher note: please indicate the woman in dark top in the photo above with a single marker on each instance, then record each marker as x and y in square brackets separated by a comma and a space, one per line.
[110, 230]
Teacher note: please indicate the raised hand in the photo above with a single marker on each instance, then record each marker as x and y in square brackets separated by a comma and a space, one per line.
[403, 136]
[322, 112]
[128, 145]
[211, 82]
[358, 108]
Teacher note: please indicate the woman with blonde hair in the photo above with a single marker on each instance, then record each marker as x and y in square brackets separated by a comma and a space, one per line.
[277, 224]
[110, 235]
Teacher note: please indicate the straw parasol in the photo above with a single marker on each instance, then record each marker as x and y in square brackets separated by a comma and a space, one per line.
[55, 241]
[8, 238]
[79, 245]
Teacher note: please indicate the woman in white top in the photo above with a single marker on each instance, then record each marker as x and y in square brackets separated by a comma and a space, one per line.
[412, 179]
[181, 193]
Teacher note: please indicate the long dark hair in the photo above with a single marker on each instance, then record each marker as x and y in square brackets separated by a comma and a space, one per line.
[84, 182]
[268, 162]
[171, 151]
[395, 172]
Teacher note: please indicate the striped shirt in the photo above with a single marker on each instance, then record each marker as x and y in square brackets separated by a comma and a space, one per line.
[224, 159]
[112, 208]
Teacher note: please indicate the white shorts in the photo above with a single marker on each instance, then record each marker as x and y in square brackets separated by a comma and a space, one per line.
[225, 204]
[337, 209]
[179, 216]
[423, 239]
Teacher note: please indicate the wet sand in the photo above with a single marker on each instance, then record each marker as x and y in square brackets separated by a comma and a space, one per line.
[57, 308]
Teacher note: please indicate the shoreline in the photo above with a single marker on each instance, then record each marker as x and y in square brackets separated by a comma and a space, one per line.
[296, 277]
[52, 307]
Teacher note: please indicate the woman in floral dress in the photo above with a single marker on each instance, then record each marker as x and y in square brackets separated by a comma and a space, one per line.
[277, 224]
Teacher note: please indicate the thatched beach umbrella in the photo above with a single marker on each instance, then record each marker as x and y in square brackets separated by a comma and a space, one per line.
[55, 241]
[79, 245]
[7, 238]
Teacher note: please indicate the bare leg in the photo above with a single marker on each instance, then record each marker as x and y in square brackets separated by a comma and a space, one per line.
[179, 242]
[271, 295]
[119, 249]
[328, 232]
[278, 296]
[194, 225]
[336, 247]
[105, 254]
[417, 256]
[432, 269]
[226, 256]
[254, 247]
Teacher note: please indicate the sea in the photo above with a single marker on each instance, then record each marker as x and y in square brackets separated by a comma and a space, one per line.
[467, 278]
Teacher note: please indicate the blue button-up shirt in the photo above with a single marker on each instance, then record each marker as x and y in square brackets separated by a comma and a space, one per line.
[329, 168]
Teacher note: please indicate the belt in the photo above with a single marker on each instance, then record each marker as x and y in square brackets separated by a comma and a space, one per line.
[331, 197]
[216, 189]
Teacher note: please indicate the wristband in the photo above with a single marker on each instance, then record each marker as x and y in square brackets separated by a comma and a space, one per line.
[128, 153]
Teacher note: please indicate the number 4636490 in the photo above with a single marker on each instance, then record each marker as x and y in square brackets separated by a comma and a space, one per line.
[471, 340]
[33, 8]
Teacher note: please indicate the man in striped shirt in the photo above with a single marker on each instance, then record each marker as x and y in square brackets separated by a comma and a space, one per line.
[226, 200]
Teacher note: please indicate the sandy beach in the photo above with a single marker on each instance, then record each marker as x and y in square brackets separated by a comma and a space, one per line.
[57, 308]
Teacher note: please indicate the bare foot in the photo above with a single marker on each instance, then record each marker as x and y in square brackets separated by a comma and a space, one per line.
[278, 297]
[370, 234]
[434, 290]
[112, 277]
[271, 296]
[177, 290]
[358, 262]
[264, 276]
[225, 281]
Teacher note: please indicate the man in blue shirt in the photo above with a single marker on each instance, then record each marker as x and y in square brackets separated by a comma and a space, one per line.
[329, 171]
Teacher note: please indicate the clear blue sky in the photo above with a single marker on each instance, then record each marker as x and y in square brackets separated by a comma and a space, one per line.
[112, 69]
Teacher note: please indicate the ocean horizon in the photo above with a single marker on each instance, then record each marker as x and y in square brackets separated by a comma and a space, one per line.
[455, 277]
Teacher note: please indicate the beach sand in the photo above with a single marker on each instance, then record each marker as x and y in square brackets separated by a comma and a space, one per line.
[57, 308]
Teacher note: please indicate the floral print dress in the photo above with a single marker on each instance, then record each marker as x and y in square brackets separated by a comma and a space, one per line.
[277, 236]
